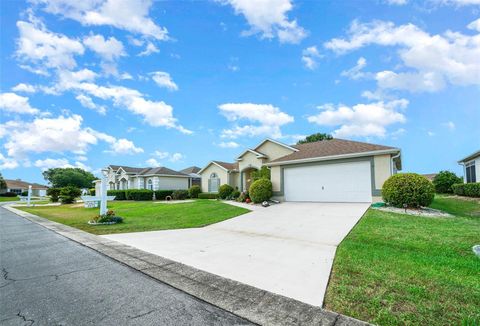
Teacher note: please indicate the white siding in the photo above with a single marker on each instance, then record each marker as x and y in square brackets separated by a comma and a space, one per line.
[172, 183]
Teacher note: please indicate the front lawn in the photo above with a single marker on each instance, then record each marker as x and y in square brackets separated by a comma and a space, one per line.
[141, 216]
[4, 199]
[396, 269]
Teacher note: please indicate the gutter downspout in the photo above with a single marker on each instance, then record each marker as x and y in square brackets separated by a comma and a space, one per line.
[392, 161]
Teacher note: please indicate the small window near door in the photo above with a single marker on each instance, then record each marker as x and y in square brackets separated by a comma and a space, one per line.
[470, 172]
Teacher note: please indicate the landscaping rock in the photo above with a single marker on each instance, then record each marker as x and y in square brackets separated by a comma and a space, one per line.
[476, 250]
[424, 211]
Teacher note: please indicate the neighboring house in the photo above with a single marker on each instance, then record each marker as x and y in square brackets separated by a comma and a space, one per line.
[334, 170]
[471, 167]
[158, 178]
[192, 171]
[430, 176]
[18, 186]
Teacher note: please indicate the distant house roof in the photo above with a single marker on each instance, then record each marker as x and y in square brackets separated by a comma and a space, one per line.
[191, 169]
[332, 148]
[430, 176]
[127, 169]
[470, 157]
[162, 171]
[19, 184]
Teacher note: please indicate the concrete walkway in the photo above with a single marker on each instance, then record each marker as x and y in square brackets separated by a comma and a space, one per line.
[48, 279]
[286, 249]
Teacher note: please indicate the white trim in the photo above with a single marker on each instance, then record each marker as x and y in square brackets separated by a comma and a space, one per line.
[470, 157]
[212, 162]
[278, 143]
[334, 157]
[259, 155]
[164, 175]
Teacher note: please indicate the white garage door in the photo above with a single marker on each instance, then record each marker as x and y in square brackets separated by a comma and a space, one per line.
[343, 182]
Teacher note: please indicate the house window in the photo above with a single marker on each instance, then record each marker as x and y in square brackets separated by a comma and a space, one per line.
[470, 172]
[150, 184]
[213, 183]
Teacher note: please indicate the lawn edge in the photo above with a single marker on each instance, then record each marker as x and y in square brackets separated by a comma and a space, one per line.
[253, 304]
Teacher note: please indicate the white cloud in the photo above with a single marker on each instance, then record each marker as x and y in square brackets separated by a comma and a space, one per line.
[356, 72]
[430, 133]
[267, 119]
[11, 102]
[124, 146]
[44, 48]
[25, 88]
[149, 49]
[397, 2]
[57, 135]
[49, 163]
[449, 125]
[229, 144]
[458, 3]
[7, 163]
[176, 157]
[361, 120]
[269, 19]
[109, 49]
[129, 15]
[430, 61]
[87, 102]
[153, 162]
[475, 25]
[310, 56]
[161, 155]
[164, 80]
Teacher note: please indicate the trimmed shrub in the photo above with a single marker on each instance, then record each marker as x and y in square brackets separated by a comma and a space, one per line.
[263, 173]
[467, 189]
[8, 194]
[92, 191]
[54, 194]
[162, 194]
[139, 194]
[444, 181]
[409, 189]
[24, 193]
[69, 194]
[194, 191]
[235, 194]
[225, 191]
[260, 190]
[119, 194]
[207, 195]
[180, 194]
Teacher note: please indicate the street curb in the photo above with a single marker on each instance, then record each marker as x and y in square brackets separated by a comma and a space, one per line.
[253, 304]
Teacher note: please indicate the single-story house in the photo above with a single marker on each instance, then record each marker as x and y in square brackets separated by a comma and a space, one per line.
[471, 167]
[334, 170]
[430, 176]
[158, 178]
[18, 186]
[192, 171]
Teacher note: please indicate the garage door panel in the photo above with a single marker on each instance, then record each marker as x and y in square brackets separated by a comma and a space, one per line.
[343, 182]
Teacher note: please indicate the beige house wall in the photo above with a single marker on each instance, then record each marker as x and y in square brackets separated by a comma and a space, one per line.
[276, 178]
[249, 160]
[235, 180]
[273, 151]
[383, 169]
[222, 174]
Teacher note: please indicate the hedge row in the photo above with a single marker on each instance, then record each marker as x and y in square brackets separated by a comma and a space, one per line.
[207, 195]
[467, 189]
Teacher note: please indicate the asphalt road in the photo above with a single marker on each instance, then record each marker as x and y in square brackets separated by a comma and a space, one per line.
[47, 279]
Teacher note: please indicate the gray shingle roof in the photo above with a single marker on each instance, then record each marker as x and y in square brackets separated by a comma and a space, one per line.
[331, 147]
[191, 169]
[228, 166]
[161, 170]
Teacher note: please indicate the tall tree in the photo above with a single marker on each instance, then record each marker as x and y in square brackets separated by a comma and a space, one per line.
[3, 184]
[315, 137]
[63, 177]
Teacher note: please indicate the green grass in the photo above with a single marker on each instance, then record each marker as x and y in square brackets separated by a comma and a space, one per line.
[4, 199]
[396, 269]
[141, 216]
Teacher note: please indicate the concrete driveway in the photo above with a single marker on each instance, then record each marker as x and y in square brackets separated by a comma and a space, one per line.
[286, 249]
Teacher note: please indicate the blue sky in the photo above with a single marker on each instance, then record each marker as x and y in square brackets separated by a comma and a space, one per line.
[141, 83]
